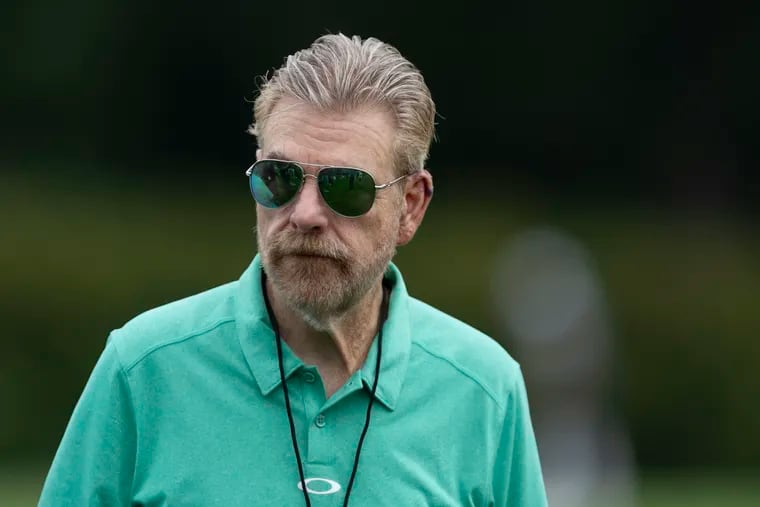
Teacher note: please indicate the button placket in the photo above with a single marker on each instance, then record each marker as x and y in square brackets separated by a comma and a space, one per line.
[316, 450]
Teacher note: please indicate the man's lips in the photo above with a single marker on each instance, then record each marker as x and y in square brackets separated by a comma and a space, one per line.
[310, 255]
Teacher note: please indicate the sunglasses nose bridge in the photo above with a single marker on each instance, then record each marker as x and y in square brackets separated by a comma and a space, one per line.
[306, 176]
[303, 189]
[308, 210]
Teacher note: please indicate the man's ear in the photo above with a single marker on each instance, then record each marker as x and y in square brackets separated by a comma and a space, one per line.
[418, 192]
[258, 153]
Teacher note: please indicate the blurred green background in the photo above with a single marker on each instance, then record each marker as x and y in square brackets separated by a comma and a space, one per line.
[626, 125]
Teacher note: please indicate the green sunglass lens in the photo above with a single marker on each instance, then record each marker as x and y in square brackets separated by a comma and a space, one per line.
[350, 192]
[274, 183]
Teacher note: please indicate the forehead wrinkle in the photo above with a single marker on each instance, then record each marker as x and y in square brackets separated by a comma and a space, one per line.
[321, 134]
[324, 132]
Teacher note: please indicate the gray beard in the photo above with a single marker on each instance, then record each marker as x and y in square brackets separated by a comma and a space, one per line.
[330, 301]
[323, 290]
[319, 280]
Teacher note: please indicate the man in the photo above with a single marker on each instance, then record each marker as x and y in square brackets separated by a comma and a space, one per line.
[315, 379]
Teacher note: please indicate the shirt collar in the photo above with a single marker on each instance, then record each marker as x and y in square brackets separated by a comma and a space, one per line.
[257, 338]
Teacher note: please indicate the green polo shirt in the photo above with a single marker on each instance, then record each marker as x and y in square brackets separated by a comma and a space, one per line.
[185, 408]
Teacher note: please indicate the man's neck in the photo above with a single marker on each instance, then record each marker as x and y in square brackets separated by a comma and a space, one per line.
[339, 348]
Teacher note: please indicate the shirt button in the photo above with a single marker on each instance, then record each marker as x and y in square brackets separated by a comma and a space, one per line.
[320, 421]
[309, 377]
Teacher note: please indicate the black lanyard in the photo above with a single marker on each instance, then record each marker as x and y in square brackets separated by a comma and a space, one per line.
[383, 314]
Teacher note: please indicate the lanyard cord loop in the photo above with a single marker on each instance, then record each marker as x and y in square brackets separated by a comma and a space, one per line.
[383, 314]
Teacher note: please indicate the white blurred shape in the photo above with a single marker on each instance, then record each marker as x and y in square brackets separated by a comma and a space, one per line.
[549, 301]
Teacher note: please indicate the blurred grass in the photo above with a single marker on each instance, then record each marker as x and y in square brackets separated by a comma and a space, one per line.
[21, 483]
[20, 486]
[701, 490]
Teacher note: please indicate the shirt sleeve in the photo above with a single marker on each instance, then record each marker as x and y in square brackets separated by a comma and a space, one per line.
[518, 480]
[94, 463]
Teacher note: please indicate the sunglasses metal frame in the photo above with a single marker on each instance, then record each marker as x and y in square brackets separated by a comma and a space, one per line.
[322, 167]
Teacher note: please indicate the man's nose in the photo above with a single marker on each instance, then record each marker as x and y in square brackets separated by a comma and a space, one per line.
[308, 210]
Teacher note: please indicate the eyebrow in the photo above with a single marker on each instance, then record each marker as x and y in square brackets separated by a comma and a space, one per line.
[278, 155]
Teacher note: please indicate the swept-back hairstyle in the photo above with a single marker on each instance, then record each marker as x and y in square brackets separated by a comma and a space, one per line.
[341, 74]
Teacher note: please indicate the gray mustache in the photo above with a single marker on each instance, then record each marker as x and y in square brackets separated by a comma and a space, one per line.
[288, 246]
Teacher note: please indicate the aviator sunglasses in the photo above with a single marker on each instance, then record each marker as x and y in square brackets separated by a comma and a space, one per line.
[348, 191]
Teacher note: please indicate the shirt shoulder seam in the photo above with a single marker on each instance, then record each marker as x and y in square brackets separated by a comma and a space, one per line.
[130, 398]
[465, 372]
[174, 341]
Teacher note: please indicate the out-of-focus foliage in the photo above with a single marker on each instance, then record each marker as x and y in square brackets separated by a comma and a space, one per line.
[83, 258]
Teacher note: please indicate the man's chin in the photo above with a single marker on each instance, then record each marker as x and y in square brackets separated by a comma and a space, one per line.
[309, 266]
[314, 298]
[308, 282]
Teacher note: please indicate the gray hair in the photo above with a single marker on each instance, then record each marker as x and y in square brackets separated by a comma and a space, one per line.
[341, 74]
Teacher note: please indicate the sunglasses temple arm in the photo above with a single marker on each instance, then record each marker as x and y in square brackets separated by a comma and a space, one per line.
[428, 188]
[392, 182]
